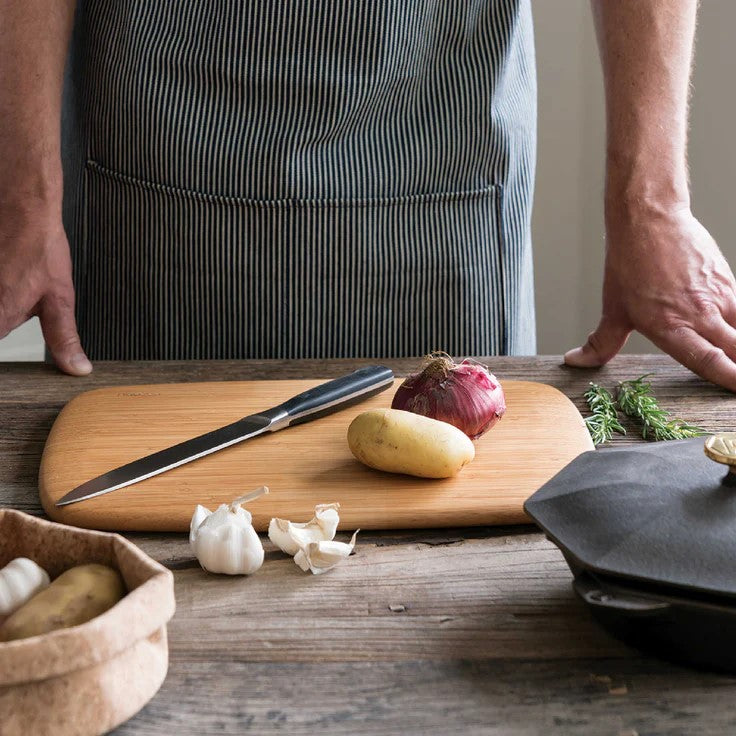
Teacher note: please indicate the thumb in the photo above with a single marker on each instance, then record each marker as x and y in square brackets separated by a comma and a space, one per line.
[603, 344]
[60, 333]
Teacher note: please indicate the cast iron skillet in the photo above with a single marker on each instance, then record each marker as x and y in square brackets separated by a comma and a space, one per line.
[649, 533]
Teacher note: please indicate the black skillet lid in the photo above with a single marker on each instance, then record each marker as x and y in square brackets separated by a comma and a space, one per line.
[660, 513]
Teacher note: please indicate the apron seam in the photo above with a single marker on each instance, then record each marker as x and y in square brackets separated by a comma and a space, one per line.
[502, 268]
[316, 202]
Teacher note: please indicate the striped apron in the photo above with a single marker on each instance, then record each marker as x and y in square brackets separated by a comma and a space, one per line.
[300, 179]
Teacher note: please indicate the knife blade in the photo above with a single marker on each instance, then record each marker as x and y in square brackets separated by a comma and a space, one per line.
[311, 404]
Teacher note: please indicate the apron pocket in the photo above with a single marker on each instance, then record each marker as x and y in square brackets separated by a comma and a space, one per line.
[171, 273]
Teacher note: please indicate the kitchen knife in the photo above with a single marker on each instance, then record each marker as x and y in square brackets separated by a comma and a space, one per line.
[316, 402]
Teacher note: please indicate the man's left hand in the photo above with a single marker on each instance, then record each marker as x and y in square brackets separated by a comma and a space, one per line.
[666, 277]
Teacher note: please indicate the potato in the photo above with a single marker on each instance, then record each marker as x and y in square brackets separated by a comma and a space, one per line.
[76, 596]
[403, 442]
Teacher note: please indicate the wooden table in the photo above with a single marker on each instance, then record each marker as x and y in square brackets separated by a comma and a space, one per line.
[461, 631]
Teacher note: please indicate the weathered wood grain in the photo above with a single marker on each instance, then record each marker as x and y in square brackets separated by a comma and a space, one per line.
[472, 631]
[583, 697]
[500, 597]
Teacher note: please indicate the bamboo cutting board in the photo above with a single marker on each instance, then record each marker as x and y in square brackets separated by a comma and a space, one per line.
[302, 465]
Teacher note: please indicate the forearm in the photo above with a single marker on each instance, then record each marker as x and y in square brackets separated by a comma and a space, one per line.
[646, 49]
[34, 36]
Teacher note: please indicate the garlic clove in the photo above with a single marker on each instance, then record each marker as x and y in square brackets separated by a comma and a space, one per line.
[290, 536]
[324, 555]
[325, 514]
[278, 533]
[20, 580]
[224, 515]
[200, 514]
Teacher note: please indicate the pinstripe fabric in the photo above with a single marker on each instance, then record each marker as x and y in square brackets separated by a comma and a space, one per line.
[296, 178]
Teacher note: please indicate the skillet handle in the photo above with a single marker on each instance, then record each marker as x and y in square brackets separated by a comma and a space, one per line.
[594, 595]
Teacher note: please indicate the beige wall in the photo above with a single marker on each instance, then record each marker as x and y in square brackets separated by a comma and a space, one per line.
[567, 223]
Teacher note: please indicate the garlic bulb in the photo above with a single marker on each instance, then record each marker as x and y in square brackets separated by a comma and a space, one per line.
[324, 555]
[225, 541]
[290, 537]
[20, 580]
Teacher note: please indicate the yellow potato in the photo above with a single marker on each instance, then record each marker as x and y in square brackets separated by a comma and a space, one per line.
[76, 596]
[403, 442]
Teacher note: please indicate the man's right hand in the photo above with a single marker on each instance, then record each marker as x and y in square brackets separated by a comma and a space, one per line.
[36, 280]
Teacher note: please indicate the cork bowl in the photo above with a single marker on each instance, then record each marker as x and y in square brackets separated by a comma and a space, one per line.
[87, 679]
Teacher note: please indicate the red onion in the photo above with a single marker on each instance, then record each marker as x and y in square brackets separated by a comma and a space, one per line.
[466, 395]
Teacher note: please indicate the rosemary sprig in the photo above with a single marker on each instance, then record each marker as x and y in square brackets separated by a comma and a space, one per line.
[637, 401]
[603, 421]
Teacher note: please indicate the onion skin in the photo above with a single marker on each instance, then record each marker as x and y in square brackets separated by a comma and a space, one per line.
[466, 395]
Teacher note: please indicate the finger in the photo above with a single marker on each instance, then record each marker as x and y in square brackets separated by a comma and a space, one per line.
[699, 355]
[721, 334]
[729, 313]
[60, 333]
[604, 343]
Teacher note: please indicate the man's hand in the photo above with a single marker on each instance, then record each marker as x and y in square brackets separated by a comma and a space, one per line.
[35, 280]
[664, 273]
[35, 269]
[666, 278]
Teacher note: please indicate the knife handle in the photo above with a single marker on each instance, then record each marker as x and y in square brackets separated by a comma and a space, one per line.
[336, 395]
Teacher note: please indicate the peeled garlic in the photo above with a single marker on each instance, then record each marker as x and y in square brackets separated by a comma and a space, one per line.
[324, 555]
[290, 537]
[225, 541]
[20, 580]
